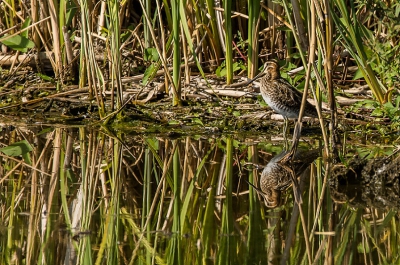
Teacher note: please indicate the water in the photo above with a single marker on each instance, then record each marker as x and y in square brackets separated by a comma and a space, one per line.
[83, 195]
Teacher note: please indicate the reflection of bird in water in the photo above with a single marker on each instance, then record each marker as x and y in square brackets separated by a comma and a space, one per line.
[280, 95]
[278, 176]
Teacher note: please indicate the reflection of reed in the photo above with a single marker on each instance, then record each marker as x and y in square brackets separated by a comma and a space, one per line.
[277, 176]
[118, 196]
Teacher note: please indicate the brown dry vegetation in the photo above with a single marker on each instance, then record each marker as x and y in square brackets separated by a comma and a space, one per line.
[75, 55]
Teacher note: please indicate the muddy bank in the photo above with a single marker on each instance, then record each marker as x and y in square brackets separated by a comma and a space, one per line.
[363, 183]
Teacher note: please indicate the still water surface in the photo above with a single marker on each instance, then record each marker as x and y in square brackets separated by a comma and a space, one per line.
[89, 196]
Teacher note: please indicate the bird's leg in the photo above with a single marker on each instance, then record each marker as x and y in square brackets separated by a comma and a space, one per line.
[296, 136]
[296, 188]
[288, 166]
[285, 126]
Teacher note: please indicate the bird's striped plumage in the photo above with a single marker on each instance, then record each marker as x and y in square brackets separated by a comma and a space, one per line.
[281, 96]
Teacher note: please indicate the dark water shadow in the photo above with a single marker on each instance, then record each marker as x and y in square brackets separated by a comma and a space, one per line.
[74, 194]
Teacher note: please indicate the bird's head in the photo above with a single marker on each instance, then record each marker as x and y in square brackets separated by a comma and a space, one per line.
[270, 71]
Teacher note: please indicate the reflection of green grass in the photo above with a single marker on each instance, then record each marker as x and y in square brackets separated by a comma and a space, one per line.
[255, 240]
[227, 253]
[118, 205]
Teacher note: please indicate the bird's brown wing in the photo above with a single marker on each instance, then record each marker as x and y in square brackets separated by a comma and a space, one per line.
[289, 94]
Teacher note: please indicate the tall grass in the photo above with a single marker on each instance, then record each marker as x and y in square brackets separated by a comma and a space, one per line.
[176, 17]
[90, 73]
[228, 41]
[114, 35]
[253, 27]
[353, 33]
[198, 35]
[57, 22]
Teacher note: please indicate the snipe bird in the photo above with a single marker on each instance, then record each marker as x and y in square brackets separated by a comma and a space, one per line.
[281, 96]
[278, 176]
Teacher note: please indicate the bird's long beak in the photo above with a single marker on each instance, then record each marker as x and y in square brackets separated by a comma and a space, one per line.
[255, 78]
[256, 188]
